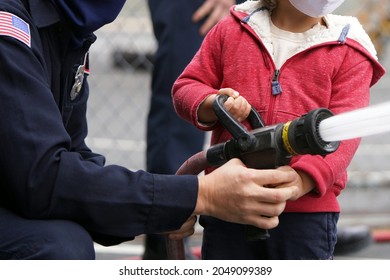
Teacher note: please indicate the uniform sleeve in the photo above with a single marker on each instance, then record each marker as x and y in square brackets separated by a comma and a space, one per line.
[43, 176]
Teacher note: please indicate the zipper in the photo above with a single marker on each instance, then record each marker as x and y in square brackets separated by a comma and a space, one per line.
[276, 90]
[276, 87]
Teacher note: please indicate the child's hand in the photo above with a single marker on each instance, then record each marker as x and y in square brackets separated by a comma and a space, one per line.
[237, 105]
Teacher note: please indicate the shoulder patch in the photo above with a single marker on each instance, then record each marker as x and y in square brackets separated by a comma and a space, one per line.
[13, 26]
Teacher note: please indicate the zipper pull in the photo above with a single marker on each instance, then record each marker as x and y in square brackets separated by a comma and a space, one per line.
[276, 87]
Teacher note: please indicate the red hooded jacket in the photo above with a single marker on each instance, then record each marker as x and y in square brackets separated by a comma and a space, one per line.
[334, 70]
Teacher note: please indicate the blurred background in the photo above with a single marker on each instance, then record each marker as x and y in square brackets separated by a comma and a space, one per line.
[121, 61]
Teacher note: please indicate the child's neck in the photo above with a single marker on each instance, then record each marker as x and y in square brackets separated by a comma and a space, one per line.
[287, 18]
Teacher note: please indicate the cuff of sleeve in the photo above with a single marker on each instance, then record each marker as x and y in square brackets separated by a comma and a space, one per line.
[318, 170]
[174, 201]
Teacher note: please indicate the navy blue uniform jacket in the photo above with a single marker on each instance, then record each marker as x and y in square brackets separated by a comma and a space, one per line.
[46, 169]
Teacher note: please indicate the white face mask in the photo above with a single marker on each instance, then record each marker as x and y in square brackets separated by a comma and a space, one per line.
[316, 8]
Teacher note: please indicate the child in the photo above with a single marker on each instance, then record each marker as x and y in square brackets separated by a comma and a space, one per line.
[284, 58]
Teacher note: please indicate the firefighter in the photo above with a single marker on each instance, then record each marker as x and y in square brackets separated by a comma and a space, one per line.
[57, 197]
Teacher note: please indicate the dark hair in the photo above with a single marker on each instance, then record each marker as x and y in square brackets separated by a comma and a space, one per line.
[271, 3]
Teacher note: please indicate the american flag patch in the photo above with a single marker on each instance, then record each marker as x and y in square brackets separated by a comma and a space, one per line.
[13, 26]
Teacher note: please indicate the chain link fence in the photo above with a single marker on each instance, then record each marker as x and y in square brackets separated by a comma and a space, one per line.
[121, 64]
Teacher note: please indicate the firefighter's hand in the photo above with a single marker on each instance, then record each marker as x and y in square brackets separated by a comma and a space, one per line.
[187, 229]
[235, 193]
[303, 181]
[211, 11]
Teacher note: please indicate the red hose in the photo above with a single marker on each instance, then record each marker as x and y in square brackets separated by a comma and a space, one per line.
[381, 235]
[194, 165]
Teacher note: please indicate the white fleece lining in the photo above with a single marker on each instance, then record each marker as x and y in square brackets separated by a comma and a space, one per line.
[259, 22]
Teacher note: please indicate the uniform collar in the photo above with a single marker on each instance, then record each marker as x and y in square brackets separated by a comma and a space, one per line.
[43, 13]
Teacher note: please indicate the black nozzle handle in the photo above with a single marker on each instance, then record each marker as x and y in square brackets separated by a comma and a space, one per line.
[235, 128]
[229, 122]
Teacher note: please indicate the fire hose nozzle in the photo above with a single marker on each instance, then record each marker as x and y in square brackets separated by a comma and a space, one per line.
[268, 147]
[302, 136]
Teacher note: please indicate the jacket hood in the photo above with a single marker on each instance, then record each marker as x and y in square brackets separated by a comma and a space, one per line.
[87, 16]
[340, 30]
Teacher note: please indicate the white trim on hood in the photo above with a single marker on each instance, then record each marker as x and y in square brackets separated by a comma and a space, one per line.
[260, 23]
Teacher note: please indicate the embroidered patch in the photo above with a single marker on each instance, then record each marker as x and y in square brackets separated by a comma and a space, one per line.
[13, 26]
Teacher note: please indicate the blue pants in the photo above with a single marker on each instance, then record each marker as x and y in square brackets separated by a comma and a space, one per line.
[299, 236]
[170, 139]
[42, 239]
